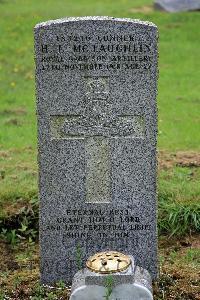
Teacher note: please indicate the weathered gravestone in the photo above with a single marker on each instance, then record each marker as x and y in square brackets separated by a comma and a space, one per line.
[177, 5]
[96, 107]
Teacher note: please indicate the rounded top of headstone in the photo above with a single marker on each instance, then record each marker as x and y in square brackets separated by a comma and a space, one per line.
[93, 18]
[108, 262]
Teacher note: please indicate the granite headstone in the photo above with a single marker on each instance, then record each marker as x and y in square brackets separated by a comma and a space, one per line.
[96, 85]
[177, 5]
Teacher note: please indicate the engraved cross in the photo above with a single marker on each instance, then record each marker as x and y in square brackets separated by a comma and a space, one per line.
[97, 126]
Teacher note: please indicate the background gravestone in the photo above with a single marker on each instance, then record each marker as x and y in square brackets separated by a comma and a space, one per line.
[177, 5]
[97, 125]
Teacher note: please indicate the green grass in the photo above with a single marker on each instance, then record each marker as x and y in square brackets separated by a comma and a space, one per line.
[18, 174]
[180, 185]
[178, 219]
[178, 93]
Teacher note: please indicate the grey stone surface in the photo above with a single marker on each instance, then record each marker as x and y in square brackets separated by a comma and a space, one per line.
[130, 292]
[177, 5]
[92, 292]
[96, 85]
[132, 284]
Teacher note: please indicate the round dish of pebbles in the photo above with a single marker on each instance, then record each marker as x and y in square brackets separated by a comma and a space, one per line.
[108, 262]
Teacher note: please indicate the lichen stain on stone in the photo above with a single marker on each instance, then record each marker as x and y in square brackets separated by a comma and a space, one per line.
[98, 178]
[55, 124]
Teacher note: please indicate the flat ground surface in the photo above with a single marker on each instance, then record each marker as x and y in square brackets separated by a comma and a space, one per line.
[178, 142]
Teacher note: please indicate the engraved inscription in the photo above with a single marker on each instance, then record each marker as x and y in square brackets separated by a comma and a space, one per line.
[112, 223]
[69, 53]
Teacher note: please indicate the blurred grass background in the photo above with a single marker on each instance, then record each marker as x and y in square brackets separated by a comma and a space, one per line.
[178, 91]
